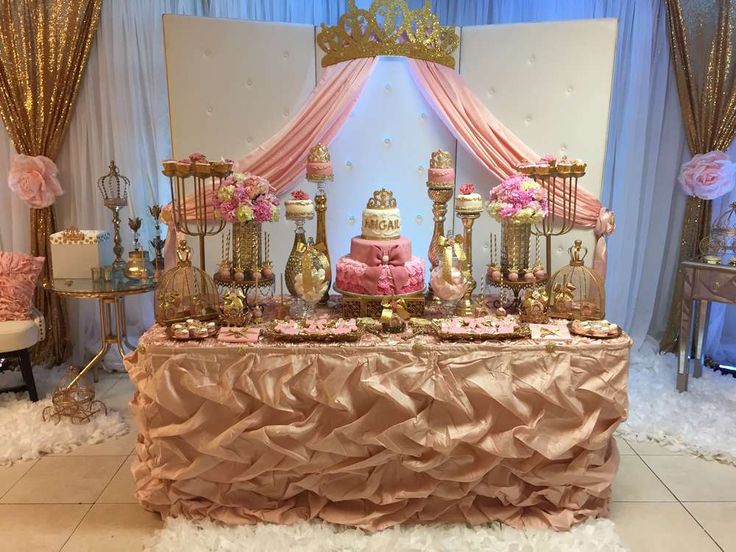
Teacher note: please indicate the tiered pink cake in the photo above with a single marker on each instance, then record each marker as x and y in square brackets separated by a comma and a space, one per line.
[380, 261]
[319, 166]
[440, 171]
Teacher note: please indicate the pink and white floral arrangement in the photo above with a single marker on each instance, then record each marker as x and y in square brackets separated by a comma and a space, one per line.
[519, 199]
[245, 197]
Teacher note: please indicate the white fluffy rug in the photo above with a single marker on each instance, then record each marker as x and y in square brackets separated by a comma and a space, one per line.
[25, 436]
[699, 421]
[206, 536]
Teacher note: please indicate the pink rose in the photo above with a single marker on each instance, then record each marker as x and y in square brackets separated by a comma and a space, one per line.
[33, 179]
[467, 188]
[299, 195]
[708, 175]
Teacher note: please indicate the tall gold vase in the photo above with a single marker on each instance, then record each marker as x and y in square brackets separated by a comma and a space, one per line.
[247, 254]
[515, 242]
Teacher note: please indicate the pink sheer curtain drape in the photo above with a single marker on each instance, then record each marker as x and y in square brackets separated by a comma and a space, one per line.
[495, 146]
[283, 158]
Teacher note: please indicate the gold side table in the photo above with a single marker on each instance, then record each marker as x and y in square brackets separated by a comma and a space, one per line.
[111, 297]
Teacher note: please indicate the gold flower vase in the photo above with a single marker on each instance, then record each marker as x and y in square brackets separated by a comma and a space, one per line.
[515, 238]
[247, 250]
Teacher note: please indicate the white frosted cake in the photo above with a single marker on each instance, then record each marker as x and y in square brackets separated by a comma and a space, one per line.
[380, 260]
[381, 218]
[468, 200]
[299, 207]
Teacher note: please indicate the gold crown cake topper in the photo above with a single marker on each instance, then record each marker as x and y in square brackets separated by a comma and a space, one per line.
[319, 154]
[388, 28]
[72, 234]
[382, 199]
[440, 160]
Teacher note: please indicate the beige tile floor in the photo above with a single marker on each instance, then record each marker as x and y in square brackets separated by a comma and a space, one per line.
[83, 501]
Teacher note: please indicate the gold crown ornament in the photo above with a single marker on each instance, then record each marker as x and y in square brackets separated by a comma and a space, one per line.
[72, 235]
[319, 154]
[382, 199]
[440, 160]
[388, 28]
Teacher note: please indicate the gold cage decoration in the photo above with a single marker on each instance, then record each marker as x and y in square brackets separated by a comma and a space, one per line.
[185, 292]
[577, 292]
[388, 28]
[724, 232]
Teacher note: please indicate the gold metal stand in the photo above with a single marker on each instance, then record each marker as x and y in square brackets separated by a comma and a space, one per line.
[320, 204]
[465, 306]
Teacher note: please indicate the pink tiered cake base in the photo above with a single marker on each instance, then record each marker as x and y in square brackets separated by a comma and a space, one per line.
[386, 258]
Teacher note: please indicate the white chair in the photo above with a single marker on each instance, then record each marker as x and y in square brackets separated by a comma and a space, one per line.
[16, 338]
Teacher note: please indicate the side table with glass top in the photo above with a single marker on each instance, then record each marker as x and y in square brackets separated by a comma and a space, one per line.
[111, 297]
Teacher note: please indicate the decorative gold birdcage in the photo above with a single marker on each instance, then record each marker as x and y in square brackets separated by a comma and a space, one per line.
[185, 292]
[575, 291]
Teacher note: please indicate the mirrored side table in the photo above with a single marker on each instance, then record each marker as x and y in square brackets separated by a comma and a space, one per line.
[111, 298]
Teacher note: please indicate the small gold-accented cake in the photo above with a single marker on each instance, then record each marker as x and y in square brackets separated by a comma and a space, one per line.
[319, 166]
[441, 173]
[468, 200]
[299, 207]
[381, 217]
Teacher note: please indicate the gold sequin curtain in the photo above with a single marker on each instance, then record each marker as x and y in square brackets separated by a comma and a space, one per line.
[44, 46]
[703, 43]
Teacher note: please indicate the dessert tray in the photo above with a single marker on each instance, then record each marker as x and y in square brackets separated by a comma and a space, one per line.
[597, 329]
[192, 330]
[487, 328]
[322, 330]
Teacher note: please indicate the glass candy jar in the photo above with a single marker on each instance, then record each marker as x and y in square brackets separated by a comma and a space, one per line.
[577, 292]
[185, 292]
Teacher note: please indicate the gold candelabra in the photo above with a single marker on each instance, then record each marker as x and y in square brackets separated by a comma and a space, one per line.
[191, 182]
[465, 306]
[560, 179]
[320, 154]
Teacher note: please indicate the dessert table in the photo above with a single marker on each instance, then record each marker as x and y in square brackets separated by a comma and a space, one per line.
[386, 430]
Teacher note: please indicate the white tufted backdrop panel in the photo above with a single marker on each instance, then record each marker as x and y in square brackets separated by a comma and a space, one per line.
[232, 85]
[514, 69]
[550, 83]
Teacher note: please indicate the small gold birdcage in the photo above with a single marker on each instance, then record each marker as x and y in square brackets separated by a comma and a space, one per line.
[185, 292]
[575, 291]
[723, 232]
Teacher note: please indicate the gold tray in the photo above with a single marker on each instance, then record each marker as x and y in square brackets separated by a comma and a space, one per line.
[582, 334]
[358, 305]
[269, 332]
[522, 332]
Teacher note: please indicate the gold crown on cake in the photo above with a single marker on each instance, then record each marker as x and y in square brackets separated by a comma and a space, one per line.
[440, 160]
[388, 28]
[319, 154]
[382, 199]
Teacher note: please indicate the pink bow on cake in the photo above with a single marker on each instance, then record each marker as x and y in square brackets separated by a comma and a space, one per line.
[385, 256]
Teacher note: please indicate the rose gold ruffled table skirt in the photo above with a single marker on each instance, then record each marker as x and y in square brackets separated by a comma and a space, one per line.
[378, 433]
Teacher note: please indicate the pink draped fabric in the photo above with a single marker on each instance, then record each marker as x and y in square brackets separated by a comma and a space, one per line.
[283, 158]
[495, 146]
[372, 435]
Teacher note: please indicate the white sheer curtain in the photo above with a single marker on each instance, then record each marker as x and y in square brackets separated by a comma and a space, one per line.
[122, 114]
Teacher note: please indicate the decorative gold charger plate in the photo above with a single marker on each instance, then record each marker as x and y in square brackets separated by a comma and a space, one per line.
[521, 332]
[592, 336]
[270, 332]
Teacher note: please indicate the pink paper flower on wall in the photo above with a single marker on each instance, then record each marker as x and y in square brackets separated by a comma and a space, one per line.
[33, 179]
[708, 175]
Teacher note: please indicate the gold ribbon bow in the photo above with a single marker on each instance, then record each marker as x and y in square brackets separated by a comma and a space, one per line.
[392, 306]
[449, 245]
[563, 293]
[308, 252]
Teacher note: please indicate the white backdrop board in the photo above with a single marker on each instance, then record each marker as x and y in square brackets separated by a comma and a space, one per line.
[548, 82]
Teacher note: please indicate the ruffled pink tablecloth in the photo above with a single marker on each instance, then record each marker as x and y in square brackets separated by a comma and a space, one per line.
[379, 432]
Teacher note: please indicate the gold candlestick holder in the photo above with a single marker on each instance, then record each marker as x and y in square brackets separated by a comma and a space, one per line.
[320, 154]
[440, 193]
[114, 190]
[465, 306]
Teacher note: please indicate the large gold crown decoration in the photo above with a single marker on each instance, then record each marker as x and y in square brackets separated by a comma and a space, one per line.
[388, 28]
[440, 160]
[382, 199]
[318, 154]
